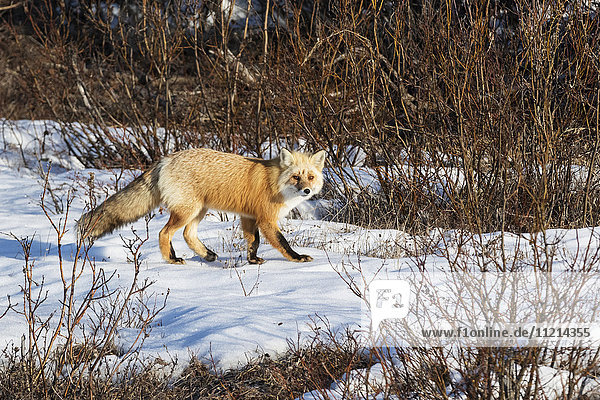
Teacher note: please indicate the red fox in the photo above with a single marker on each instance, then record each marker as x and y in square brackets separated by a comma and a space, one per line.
[191, 182]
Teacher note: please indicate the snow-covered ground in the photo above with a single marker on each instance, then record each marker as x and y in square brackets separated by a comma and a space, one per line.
[228, 311]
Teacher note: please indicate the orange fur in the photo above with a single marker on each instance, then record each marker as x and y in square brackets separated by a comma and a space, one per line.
[192, 181]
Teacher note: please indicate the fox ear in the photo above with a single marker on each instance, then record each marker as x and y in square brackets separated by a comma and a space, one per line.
[285, 158]
[318, 159]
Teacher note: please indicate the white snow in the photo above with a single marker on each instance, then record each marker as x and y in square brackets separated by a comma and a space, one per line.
[226, 311]
[207, 313]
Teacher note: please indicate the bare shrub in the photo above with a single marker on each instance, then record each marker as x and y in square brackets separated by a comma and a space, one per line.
[462, 125]
[483, 117]
[64, 352]
[313, 363]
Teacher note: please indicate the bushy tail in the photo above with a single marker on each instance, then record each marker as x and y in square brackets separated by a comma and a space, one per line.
[127, 205]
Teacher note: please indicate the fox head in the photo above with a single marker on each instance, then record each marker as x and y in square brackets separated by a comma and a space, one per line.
[301, 174]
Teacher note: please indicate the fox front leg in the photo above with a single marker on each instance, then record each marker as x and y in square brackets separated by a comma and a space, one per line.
[277, 240]
[253, 239]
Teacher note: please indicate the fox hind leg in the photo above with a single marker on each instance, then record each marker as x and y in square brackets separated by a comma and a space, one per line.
[177, 220]
[190, 234]
[253, 238]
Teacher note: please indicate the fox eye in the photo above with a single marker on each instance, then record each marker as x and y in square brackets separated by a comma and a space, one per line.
[310, 177]
[296, 177]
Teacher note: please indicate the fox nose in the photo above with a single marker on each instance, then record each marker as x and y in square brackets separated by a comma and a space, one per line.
[307, 191]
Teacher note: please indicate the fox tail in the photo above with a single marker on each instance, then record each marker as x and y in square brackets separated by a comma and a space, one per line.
[127, 205]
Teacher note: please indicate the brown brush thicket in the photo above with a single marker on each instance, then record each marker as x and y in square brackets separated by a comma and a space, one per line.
[481, 115]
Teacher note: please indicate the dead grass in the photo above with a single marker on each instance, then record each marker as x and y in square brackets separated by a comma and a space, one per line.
[301, 369]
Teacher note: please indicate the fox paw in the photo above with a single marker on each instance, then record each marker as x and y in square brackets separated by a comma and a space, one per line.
[256, 260]
[210, 255]
[304, 258]
[176, 260]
